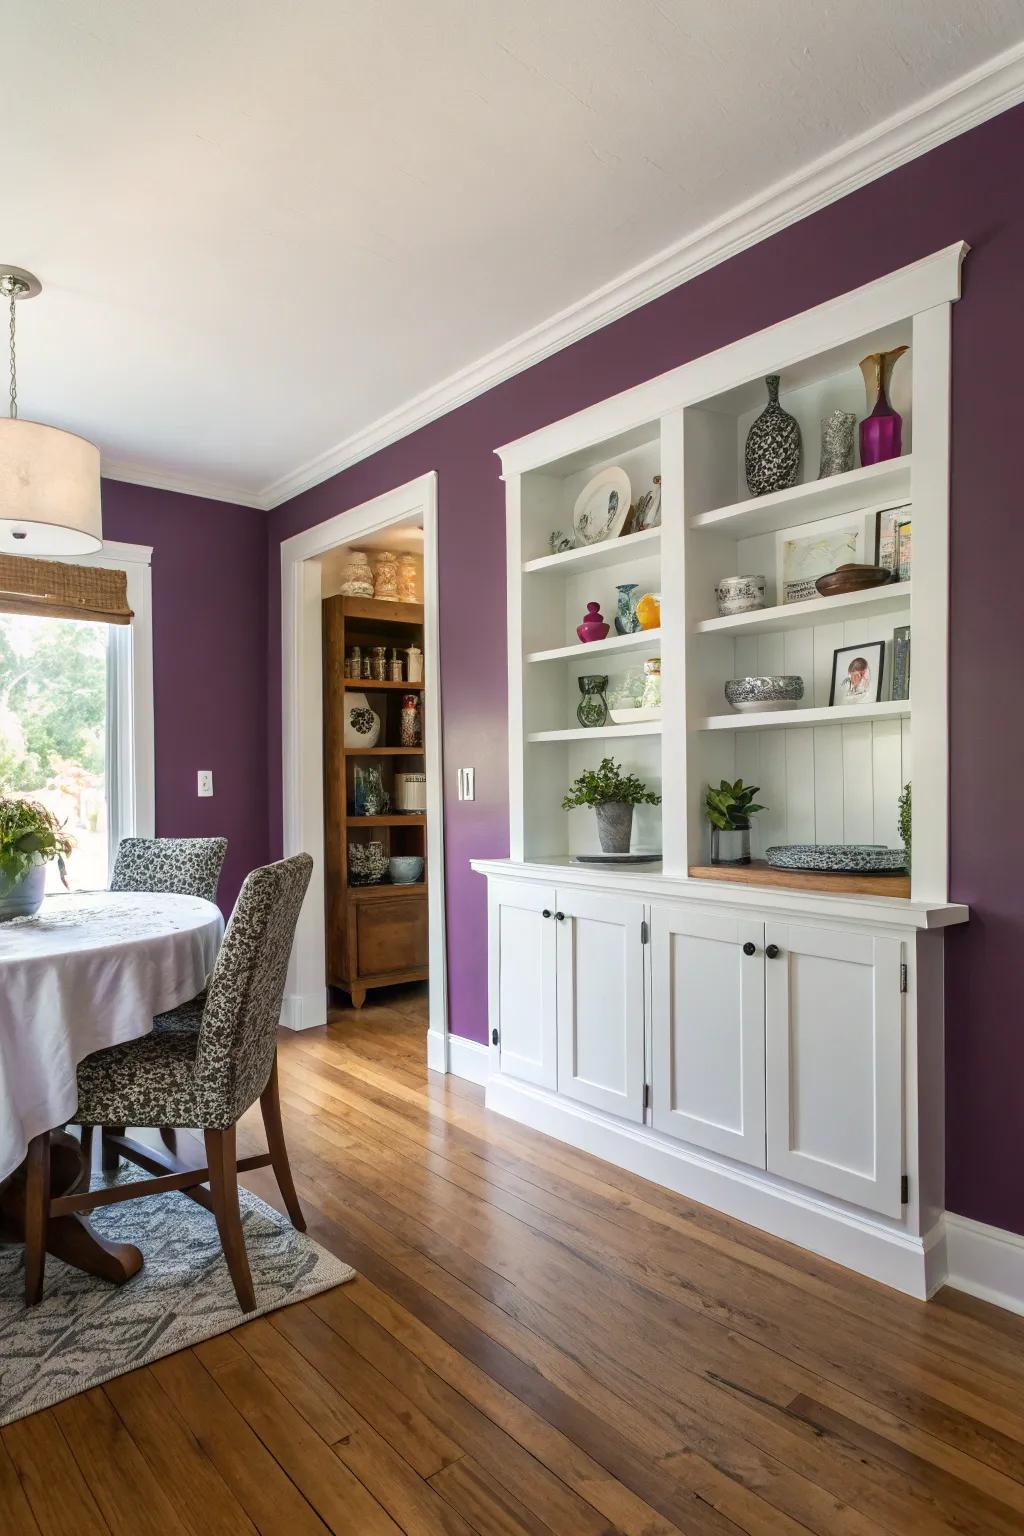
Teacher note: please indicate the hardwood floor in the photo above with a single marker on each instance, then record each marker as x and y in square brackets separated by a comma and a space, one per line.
[536, 1343]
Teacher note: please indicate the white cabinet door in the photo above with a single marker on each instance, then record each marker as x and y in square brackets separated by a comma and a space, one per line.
[601, 1001]
[834, 1032]
[707, 1029]
[521, 980]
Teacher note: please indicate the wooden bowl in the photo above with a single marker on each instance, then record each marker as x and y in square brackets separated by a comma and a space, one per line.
[853, 578]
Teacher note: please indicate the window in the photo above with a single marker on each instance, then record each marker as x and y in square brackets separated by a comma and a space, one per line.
[76, 722]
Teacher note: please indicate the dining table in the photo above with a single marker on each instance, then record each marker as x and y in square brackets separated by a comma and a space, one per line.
[89, 970]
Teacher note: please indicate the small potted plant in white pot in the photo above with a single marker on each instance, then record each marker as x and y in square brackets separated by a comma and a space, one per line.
[30, 836]
[612, 794]
[729, 809]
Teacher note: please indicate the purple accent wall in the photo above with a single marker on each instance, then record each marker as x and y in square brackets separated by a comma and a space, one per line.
[967, 189]
[209, 649]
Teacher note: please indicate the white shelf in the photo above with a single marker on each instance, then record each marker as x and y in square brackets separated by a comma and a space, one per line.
[598, 732]
[607, 647]
[595, 557]
[817, 610]
[856, 491]
[783, 719]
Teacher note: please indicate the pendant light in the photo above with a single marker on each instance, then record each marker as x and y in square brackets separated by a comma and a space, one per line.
[49, 479]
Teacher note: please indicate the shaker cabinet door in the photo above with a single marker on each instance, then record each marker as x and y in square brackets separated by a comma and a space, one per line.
[707, 1029]
[835, 1062]
[601, 1001]
[521, 980]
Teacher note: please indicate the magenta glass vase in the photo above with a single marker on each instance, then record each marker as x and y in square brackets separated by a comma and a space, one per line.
[881, 433]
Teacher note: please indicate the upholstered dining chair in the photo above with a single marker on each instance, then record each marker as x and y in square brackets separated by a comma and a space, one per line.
[174, 866]
[205, 1078]
[180, 866]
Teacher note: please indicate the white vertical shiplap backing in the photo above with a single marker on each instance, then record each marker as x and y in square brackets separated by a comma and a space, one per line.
[830, 783]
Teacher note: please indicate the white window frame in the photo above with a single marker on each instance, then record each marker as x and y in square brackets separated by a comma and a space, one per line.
[132, 808]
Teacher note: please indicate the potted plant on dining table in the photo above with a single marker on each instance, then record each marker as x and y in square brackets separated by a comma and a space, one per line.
[30, 837]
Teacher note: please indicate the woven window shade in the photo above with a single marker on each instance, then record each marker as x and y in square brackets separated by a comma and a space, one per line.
[58, 591]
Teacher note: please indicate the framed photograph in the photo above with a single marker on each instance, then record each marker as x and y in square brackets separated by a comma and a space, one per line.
[904, 551]
[857, 674]
[887, 540]
[814, 549]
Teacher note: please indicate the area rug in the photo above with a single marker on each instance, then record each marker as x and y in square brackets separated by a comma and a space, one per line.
[86, 1331]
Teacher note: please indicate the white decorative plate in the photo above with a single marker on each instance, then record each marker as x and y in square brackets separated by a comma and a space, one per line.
[602, 507]
[634, 716]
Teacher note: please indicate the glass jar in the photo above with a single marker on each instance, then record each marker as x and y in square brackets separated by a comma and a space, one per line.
[652, 683]
[354, 662]
[356, 579]
[385, 576]
[395, 666]
[379, 663]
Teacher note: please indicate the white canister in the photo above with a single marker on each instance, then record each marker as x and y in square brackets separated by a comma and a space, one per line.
[408, 579]
[411, 793]
[739, 594]
[414, 664]
[356, 577]
[385, 576]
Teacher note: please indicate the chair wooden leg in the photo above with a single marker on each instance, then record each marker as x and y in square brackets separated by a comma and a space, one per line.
[111, 1158]
[270, 1104]
[37, 1216]
[169, 1137]
[85, 1134]
[223, 1166]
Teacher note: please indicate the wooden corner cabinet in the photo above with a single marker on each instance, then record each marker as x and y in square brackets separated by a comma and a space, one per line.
[376, 933]
[763, 1042]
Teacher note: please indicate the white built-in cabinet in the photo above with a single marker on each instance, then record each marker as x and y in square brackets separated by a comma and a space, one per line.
[774, 1052]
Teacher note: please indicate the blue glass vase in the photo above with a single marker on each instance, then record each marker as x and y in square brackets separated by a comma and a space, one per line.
[626, 621]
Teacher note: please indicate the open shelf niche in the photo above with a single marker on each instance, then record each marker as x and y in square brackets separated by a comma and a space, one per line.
[826, 773]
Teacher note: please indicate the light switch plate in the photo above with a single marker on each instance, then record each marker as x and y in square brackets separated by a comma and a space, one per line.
[204, 783]
[467, 783]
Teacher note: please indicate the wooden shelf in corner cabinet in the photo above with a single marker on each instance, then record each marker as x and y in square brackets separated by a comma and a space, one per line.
[365, 685]
[383, 751]
[398, 820]
[381, 610]
[759, 873]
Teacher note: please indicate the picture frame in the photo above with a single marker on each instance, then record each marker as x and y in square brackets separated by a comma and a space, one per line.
[804, 553]
[857, 673]
[904, 550]
[887, 542]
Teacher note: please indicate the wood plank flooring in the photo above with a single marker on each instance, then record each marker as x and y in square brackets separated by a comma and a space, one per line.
[536, 1343]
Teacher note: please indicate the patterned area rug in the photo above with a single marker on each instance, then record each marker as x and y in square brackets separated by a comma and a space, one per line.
[86, 1331]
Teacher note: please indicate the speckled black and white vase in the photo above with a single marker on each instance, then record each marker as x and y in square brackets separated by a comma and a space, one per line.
[772, 456]
[836, 444]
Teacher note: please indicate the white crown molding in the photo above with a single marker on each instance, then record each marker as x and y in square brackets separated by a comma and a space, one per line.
[971, 99]
[185, 485]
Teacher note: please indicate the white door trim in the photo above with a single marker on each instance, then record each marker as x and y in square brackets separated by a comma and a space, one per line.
[305, 1002]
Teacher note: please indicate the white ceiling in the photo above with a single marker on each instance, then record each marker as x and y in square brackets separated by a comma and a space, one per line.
[262, 226]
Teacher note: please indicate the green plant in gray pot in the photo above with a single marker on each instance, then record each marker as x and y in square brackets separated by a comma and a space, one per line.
[729, 809]
[612, 794]
[30, 836]
[905, 819]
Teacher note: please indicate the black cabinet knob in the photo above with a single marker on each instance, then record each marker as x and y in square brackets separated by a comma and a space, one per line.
[545, 913]
[749, 949]
[494, 1037]
[772, 951]
[560, 917]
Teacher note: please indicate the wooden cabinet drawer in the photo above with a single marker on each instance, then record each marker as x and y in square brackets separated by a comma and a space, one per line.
[391, 935]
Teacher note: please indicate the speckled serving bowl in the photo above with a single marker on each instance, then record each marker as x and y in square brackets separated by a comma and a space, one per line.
[752, 694]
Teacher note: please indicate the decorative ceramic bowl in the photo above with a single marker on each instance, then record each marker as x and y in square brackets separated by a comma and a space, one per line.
[751, 694]
[859, 858]
[739, 594]
[405, 869]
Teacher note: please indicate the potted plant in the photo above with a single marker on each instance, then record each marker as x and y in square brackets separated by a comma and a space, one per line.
[30, 836]
[729, 809]
[612, 794]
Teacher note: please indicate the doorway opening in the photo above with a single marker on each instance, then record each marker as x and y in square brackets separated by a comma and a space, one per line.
[362, 767]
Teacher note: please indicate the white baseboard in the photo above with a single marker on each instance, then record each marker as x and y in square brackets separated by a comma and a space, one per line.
[304, 1010]
[985, 1261]
[437, 1057]
[872, 1247]
[468, 1058]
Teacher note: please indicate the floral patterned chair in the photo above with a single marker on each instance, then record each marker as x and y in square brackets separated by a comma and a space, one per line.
[181, 866]
[206, 1079]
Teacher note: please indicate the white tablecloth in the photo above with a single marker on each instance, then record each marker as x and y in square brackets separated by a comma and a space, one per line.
[88, 971]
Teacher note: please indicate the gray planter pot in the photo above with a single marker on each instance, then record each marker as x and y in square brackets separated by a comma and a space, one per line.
[731, 846]
[615, 826]
[25, 896]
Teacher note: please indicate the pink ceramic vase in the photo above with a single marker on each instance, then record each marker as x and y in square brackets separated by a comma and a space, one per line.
[593, 626]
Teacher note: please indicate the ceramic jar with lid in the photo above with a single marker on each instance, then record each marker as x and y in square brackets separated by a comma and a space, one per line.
[414, 664]
[356, 578]
[652, 683]
[385, 576]
[408, 579]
